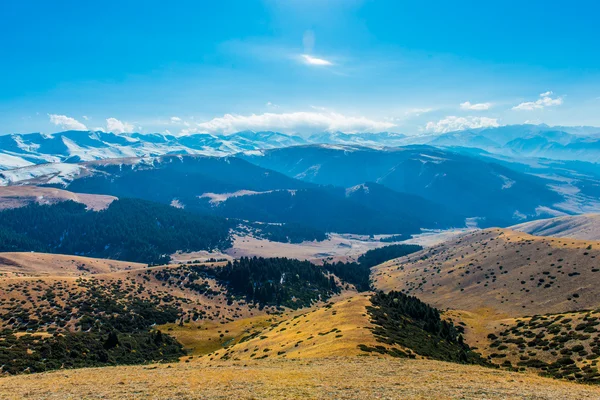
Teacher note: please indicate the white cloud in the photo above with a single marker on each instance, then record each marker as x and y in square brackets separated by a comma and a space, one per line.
[115, 126]
[545, 100]
[295, 122]
[415, 112]
[475, 107]
[85, 117]
[453, 123]
[175, 120]
[67, 122]
[310, 60]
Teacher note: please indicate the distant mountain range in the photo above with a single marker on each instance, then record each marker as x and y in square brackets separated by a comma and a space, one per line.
[21, 150]
[333, 188]
[18, 150]
[463, 185]
[560, 143]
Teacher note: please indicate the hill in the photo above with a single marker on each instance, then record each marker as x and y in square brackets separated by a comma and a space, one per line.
[511, 272]
[524, 302]
[42, 264]
[129, 229]
[584, 227]
[19, 196]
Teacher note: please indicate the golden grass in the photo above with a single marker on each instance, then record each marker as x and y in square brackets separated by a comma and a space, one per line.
[32, 264]
[199, 338]
[511, 272]
[341, 378]
[334, 330]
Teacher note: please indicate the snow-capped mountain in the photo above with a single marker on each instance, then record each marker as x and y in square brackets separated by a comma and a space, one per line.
[22, 150]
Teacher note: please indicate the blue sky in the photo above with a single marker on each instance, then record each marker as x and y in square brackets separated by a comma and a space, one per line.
[297, 65]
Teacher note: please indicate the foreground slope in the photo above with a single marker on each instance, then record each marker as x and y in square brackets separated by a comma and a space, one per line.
[343, 378]
[511, 272]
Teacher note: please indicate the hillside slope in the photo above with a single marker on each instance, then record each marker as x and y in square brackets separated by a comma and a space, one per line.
[33, 264]
[510, 272]
[584, 227]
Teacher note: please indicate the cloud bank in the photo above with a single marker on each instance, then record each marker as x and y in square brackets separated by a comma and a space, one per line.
[545, 100]
[67, 123]
[453, 123]
[115, 126]
[475, 107]
[295, 122]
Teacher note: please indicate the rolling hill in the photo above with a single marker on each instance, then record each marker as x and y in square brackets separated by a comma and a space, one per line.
[525, 302]
[584, 227]
[511, 272]
[19, 196]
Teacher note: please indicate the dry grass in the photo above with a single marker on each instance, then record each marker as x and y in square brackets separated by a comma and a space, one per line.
[42, 265]
[510, 272]
[584, 227]
[199, 338]
[334, 330]
[19, 196]
[344, 248]
[341, 378]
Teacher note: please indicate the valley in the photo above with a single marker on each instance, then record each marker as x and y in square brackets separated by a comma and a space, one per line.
[299, 258]
[299, 199]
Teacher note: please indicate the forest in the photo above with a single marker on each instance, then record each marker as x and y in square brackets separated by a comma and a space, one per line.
[274, 281]
[407, 321]
[129, 229]
[357, 273]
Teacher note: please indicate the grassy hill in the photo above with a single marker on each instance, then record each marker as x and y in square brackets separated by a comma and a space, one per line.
[510, 272]
[19, 196]
[583, 227]
[524, 302]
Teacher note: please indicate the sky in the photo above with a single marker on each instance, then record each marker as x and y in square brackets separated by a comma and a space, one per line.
[296, 66]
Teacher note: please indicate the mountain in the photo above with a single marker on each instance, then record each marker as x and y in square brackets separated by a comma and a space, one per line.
[583, 227]
[20, 196]
[425, 213]
[560, 143]
[465, 185]
[21, 150]
[235, 188]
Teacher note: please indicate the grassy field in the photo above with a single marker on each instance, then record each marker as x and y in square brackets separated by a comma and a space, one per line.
[341, 378]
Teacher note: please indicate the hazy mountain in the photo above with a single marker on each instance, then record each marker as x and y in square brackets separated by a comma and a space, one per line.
[561, 143]
[465, 185]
